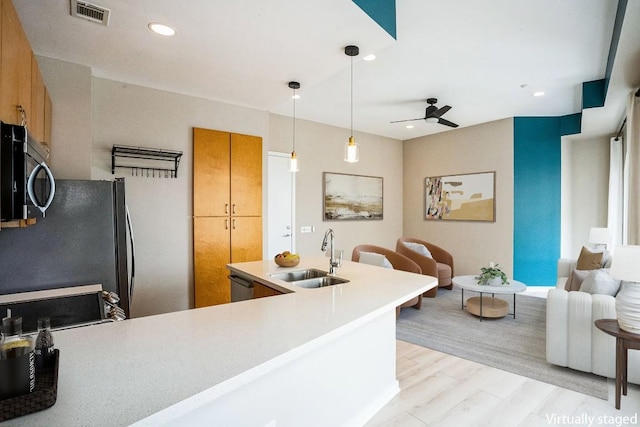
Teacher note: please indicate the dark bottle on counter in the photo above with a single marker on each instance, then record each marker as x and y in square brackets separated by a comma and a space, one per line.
[17, 359]
[44, 344]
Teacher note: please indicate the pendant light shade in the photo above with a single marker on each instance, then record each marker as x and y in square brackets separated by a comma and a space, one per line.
[351, 149]
[293, 161]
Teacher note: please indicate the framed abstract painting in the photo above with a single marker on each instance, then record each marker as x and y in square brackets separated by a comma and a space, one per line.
[466, 197]
[351, 197]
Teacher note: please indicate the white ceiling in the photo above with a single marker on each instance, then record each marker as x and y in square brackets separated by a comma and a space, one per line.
[485, 59]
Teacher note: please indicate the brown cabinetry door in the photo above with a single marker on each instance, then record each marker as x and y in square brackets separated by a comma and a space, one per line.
[36, 117]
[15, 71]
[211, 173]
[211, 254]
[246, 175]
[246, 238]
[47, 119]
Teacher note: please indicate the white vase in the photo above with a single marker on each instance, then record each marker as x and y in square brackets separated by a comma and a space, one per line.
[628, 307]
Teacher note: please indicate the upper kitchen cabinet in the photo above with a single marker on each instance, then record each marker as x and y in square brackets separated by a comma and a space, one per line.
[227, 174]
[22, 89]
[15, 67]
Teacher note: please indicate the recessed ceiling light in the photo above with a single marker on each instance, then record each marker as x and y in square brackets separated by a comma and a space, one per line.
[539, 93]
[409, 126]
[369, 57]
[162, 29]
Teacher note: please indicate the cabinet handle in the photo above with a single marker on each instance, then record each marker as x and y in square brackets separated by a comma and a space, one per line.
[234, 224]
[226, 208]
[233, 210]
[226, 224]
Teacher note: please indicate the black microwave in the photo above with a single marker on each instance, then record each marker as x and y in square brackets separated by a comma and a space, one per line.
[27, 186]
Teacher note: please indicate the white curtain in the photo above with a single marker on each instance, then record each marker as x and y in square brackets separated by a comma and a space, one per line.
[616, 194]
[632, 173]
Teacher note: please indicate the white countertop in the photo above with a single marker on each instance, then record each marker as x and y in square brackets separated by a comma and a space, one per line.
[118, 373]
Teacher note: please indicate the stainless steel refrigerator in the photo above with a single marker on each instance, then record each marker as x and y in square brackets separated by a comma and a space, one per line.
[84, 239]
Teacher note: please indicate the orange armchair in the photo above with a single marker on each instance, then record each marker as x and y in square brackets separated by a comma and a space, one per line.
[399, 262]
[440, 265]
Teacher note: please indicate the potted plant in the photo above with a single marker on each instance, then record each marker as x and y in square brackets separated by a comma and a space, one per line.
[492, 275]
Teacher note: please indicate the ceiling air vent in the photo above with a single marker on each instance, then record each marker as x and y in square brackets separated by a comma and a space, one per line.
[90, 12]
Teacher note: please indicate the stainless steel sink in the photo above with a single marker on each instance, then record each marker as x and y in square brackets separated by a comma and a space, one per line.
[319, 282]
[294, 276]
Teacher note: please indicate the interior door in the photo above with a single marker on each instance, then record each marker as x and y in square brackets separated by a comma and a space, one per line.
[281, 205]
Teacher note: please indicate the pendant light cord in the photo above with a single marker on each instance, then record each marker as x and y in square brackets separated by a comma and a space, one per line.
[352, 96]
[294, 120]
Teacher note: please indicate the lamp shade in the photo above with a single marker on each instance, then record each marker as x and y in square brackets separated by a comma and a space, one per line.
[626, 263]
[599, 236]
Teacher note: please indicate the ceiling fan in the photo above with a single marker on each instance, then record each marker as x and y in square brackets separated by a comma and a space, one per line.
[433, 114]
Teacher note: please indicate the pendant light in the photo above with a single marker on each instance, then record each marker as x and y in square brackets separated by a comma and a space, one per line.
[351, 149]
[293, 161]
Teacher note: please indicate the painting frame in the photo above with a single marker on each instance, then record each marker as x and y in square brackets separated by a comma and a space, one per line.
[349, 197]
[461, 197]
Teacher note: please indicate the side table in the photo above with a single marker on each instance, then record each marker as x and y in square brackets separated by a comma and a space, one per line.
[624, 341]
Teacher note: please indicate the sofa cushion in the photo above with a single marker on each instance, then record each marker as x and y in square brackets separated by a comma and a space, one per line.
[373, 258]
[419, 248]
[589, 260]
[575, 279]
[600, 282]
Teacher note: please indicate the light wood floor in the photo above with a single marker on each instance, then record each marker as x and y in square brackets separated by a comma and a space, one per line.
[442, 390]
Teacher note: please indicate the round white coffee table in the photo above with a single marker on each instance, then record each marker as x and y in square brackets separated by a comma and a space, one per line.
[485, 306]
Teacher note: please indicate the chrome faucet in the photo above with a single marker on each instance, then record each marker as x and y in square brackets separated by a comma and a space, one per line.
[333, 262]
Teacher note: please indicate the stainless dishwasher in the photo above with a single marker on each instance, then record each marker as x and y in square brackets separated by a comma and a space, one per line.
[241, 288]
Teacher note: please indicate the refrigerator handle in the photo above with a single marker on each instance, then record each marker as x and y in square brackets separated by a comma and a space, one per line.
[133, 254]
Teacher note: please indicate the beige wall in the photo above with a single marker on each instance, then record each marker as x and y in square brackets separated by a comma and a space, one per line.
[320, 148]
[481, 148]
[585, 177]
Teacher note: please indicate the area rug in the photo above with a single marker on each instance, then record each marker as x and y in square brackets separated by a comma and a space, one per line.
[514, 345]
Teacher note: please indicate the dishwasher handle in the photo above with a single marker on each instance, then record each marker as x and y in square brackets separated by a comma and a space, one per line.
[241, 281]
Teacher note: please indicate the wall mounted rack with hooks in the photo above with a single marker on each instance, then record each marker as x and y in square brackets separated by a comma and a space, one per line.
[150, 162]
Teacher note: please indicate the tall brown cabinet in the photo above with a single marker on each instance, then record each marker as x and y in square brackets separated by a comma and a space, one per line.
[227, 209]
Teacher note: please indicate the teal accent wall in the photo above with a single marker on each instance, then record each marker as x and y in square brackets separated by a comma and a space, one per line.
[383, 12]
[593, 93]
[536, 210]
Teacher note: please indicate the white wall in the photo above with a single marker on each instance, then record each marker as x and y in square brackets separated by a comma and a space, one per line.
[585, 178]
[480, 148]
[92, 114]
[320, 148]
[161, 208]
[69, 87]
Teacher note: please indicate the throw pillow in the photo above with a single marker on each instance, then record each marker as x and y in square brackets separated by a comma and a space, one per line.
[589, 260]
[419, 248]
[575, 280]
[600, 282]
[373, 258]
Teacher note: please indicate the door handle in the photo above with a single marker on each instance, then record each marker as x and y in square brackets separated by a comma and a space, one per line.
[226, 224]
[234, 224]
[226, 208]
[233, 209]
[286, 235]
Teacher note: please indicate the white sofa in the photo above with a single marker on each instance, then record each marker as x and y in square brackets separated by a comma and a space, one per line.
[572, 338]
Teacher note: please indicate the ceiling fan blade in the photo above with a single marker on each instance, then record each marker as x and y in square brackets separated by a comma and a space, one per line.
[409, 120]
[447, 123]
[441, 111]
[430, 110]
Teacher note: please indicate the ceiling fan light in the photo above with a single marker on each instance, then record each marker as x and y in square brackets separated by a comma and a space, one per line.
[351, 151]
[431, 120]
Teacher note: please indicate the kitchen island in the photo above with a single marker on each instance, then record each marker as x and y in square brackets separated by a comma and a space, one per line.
[309, 357]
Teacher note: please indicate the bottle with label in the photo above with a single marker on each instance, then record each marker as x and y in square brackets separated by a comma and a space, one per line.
[44, 344]
[17, 359]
